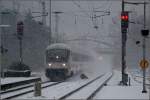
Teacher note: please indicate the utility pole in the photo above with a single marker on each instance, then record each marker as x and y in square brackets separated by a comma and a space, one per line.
[43, 13]
[144, 51]
[50, 29]
[3, 50]
[57, 13]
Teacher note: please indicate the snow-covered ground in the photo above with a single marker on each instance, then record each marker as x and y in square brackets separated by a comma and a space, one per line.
[3, 96]
[10, 80]
[87, 91]
[114, 91]
[56, 91]
[60, 90]
[138, 76]
[111, 91]
[40, 74]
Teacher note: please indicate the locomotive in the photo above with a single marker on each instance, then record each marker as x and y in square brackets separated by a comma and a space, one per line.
[59, 65]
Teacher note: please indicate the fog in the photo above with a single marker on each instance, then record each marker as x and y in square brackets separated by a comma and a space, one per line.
[75, 28]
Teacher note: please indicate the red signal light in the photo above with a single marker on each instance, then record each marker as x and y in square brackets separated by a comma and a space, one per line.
[124, 20]
[124, 17]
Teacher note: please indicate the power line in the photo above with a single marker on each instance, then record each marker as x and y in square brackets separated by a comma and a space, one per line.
[79, 6]
[103, 5]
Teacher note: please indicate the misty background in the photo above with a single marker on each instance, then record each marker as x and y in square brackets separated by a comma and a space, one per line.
[99, 37]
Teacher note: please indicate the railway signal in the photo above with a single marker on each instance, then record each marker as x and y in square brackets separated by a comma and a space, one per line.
[124, 21]
[20, 29]
[124, 27]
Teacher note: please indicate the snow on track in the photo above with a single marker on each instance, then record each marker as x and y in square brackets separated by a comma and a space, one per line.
[88, 91]
[24, 91]
[17, 88]
[56, 92]
[11, 80]
[65, 89]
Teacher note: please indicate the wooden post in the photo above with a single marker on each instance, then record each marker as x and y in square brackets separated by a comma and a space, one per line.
[37, 89]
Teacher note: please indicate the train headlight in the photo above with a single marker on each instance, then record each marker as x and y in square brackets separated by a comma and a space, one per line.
[57, 57]
[64, 64]
[100, 58]
[49, 64]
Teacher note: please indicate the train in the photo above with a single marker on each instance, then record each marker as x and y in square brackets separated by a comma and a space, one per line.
[59, 64]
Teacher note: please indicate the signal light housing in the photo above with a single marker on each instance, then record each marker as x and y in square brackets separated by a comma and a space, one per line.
[20, 29]
[145, 32]
[124, 19]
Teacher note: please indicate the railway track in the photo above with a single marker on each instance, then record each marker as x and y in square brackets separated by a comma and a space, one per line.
[93, 88]
[72, 90]
[20, 87]
[14, 82]
[12, 93]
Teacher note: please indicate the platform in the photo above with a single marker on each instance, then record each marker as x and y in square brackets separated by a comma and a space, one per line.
[114, 91]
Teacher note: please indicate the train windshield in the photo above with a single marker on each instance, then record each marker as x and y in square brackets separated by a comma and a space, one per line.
[57, 55]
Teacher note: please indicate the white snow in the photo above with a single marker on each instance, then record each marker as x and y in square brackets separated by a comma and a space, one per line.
[87, 91]
[57, 91]
[138, 76]
[111, 91]
[122, 92]
[10, 80]
[114, 91]
[22, 91]
[40, 74]
[18, 87]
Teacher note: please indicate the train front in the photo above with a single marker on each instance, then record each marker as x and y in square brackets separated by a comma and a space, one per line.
[57, 62]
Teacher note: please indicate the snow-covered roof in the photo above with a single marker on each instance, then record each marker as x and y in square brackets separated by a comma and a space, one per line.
[58, 45]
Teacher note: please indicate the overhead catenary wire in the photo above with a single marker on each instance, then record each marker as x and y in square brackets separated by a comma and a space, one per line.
[103, 5]
[79, 6]
[85, 12]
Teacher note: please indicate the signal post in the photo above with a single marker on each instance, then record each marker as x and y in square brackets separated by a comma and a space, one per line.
[144, 63]
[20, 30]
[124, 27]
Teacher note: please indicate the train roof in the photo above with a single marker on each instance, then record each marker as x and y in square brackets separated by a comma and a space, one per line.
[59, 46]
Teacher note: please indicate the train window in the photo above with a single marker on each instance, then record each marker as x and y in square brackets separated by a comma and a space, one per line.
[57, 55]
